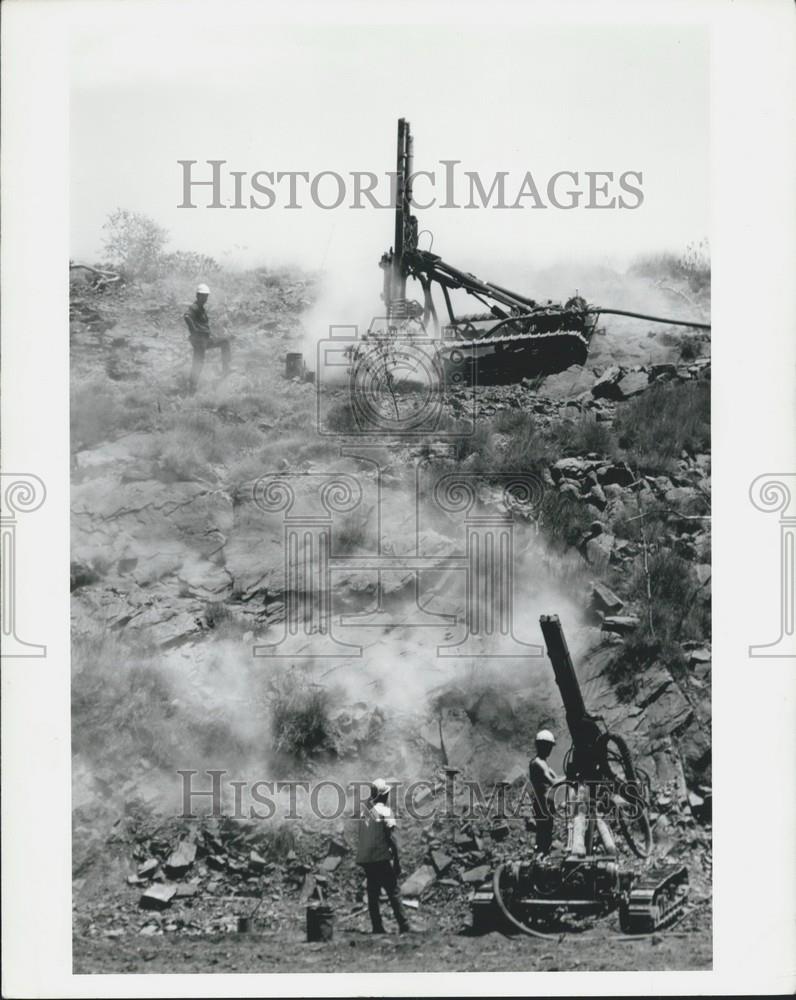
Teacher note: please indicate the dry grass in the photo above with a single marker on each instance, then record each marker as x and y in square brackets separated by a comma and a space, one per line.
[300, 723]
[655, 427]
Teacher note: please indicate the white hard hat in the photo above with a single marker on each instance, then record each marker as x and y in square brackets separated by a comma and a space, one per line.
[202, 290]
[545, 736]
[379, 787]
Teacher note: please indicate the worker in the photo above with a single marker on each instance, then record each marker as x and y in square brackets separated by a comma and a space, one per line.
[542, 778]
[377, 852]
[198, 324]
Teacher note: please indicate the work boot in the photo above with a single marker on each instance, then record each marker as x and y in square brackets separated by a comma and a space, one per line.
[379, 929]
[405, 929]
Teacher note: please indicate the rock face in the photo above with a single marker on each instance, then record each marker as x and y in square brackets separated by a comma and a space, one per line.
[172, 550]
[666, 723]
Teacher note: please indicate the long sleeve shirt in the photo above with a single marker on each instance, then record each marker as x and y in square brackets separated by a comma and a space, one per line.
[197, 319]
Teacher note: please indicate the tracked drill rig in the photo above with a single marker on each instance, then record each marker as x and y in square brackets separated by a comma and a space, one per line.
[514, 337]
[601, 785]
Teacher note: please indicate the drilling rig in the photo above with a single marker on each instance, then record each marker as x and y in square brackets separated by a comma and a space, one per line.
[514, 337]
[586, 878]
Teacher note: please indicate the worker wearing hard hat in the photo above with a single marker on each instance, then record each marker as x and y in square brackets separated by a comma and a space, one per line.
[377, 852]
[542, 779]
[198, 324]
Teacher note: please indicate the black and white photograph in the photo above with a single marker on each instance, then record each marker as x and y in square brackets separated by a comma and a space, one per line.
[384, 411]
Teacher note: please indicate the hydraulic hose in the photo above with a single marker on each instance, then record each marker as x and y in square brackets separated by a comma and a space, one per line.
[653, 319]
[516, 924]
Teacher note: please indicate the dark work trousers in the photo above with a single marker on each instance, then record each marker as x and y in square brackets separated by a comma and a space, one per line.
[201, 343]
[380, 874]
[544, 833]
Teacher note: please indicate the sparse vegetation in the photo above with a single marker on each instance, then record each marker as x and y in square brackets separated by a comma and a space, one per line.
[300, 723]
[563, 520]
[655, 427]
[135, 246]
[675, 615]
[198, 440]
[217, 615]
[585, 435]
[690, 347]
[692, 267]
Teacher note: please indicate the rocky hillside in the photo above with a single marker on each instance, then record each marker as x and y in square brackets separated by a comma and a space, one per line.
[177, 571]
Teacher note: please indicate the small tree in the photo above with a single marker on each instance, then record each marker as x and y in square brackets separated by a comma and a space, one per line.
[134, 243]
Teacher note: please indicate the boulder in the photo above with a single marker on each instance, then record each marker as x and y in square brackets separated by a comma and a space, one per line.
[662, 372]
[621, 625]
[308, 888]
[158, 896]
[698, 657]
[476, 874]
[632, 384]
[256, 862]
[440, 861]
[186, 890]
[606, 385]
[466, 840]
[598, 551]
[617, 473]
[418, 881]
[180, 859]
[605, 600]
[597, 497]
[570, 468]
[148, 868]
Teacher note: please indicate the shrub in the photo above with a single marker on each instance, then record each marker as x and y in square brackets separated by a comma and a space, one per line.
[584, 435]
[690, 347]
[672, 612]
[694, 264]
[511, 421]
[530, 449]
[562, 519]
[691, 267]
[639, 652]
[478, 442]
[217, 614]
[656, 426]
[134, 243]
[188, 264]
[300, 723]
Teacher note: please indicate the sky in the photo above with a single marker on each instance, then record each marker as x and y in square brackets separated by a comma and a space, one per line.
[148, 92]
